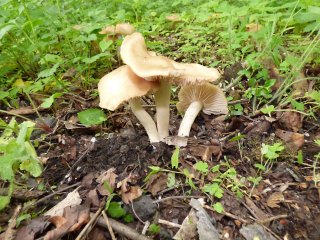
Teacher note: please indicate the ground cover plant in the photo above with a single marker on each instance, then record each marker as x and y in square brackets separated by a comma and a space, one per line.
[72, 170]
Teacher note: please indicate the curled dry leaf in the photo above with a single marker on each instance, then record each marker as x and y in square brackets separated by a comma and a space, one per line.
[290, 120]
[157, 183]
[73, 218]
[36, 226]
[294, 141]
[108, 177]
[205, 152]
[274, 199]
[72, 199]
[129, 193]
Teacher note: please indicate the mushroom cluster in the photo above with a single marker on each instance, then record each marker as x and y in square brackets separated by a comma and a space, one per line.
[145, 73]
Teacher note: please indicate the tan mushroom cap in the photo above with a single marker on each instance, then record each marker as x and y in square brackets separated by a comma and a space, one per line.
[152, 67]
[212, 97]
[119, 29]
[174, 18]
[134, 53]
[121, 85]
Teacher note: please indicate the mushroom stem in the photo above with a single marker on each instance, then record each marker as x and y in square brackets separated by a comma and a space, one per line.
[162, 100]
[189, 117]
[145, 119]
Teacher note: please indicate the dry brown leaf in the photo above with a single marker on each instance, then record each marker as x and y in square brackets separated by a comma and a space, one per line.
[36, 226]
[253, 27]
[205, 152]
[301, 85]
[157, 183]
[108, 176]
[294, 141]
[290, 120]
[274, 199]
[73, 218]
[259, 214]
[132, 193]
[129, 193]
[97, 234]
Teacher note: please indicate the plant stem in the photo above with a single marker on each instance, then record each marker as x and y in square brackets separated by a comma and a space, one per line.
[145, 119]
[162, 99]
[189, 117]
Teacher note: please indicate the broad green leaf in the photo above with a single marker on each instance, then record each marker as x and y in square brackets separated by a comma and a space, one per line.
[171, 180]
[115, 210]
[218, 207]
[215, 168]
[154, 229]
[268, 109]
[128, 218]
[47, 102]
[175, 158]
[315, 95]
[32, 166]
[260, 166]
[104, 45]
[3, 95]
[4, 201]
[300, 157]
[6, 169]
[213, 189]
[297, 105]
[49, 71]
[92, 116]
[201, 166]
[4, 30]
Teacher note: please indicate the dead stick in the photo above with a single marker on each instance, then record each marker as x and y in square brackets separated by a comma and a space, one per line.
[272, 218]
[171, 224]
[122, 229]
[89, 225]
[50, 195]
[228, 215]
[108, 225]
[175, 197]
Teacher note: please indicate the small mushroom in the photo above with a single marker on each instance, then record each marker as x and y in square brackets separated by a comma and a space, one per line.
[123, 85]
[152, 67]
[118, 30]
[194, 98]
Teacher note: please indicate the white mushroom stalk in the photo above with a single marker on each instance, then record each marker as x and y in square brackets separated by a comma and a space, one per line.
[194, 98]
[123, 85]
[162, 101]
[189, 117]
[145, 119]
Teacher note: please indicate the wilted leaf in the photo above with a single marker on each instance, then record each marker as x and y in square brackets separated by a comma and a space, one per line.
[36, 226]
[72, 199]
[294, 141]
[274, 199]
[157, 183]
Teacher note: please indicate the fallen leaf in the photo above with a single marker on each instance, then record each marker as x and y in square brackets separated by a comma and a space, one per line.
[188, 228]
[259, 214]
[257, 128]
[294, 141]
[129, 193]
[205, 152]
[73, 218]
[301, 85]
[274, 199]
[108, 177]
[157, 183]
[290, 120]
[255, 232]
[35, 227]
[205, 228]
[72, 199]
[97, 234]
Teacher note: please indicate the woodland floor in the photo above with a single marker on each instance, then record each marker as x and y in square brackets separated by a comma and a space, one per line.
[286, 202]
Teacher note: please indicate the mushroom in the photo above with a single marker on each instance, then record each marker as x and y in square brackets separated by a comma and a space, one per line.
[117, 30]
[151, 67]
[123, 85]
[194, 98]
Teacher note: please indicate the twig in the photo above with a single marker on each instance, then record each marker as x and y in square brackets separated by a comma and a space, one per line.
[9, 234]
[145, 228]
[108, 225]
[134, 212]
[175, 197]
[50, 195]
[122, 229]
[228, 215]
[238, 101]
[267, 220]
[171, 224]
[90, 224]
